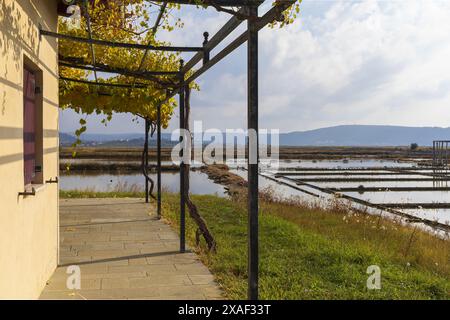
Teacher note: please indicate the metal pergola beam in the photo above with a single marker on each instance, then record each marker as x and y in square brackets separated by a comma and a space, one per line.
[220, 3]
[224, 32]
[119, 44]
[270, 16]
[103, 84]
[243, 38]
[147, 75]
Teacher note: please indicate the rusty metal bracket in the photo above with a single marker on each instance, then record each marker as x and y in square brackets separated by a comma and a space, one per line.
[31, 193]
[51, 181]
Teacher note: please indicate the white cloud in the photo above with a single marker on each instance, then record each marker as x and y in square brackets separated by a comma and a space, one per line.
[342, 62]
[363, 62]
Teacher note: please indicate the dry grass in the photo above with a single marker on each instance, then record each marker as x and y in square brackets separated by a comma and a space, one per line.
[311, 252]
[407, 244]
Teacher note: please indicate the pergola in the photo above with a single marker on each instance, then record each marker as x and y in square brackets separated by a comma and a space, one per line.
[246, 10]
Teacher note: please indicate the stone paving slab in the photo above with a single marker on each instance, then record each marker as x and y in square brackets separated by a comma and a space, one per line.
[124, 252]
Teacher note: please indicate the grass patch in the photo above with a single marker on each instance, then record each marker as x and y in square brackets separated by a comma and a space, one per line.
[313, 253]
[91, 194]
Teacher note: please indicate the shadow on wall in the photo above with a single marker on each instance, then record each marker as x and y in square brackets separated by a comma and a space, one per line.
[19, 35]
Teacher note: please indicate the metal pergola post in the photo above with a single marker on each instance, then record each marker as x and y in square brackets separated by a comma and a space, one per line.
[253, 154]
[147, 125]
[158, 155]
[182, 167]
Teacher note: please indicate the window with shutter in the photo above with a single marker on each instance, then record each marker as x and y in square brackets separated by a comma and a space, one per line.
[29, 126]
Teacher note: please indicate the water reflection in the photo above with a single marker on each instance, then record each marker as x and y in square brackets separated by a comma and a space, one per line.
[200, 184]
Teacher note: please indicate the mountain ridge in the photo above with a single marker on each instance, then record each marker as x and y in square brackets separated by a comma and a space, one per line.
[365, 135]
[343, 135]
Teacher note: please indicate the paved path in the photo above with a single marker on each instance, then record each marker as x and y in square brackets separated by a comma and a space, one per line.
[124, 253]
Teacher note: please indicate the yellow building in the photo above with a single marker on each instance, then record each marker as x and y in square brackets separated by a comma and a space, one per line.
[28, 147]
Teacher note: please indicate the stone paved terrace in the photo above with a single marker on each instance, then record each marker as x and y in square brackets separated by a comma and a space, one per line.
[124, 252]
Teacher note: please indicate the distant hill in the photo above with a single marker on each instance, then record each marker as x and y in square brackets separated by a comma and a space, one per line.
[366, 135]
[351, 135]
[139, 142]
[66, 139]
[97, 137]
[112, 140]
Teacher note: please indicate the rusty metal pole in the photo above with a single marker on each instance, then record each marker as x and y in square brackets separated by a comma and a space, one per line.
[158, 151]
[147, 199]
[253, 155]
[182, 169]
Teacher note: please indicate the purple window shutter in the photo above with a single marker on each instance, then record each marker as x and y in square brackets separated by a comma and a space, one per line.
[29, 126]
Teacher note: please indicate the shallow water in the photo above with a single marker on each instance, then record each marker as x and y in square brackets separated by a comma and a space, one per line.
[280, 191]
[382, 197]
[439, 215]
[337, 164]
[273, 165]
[384, 184]
[100, 162]
[403, 196]
[200, 184]
[354, 176]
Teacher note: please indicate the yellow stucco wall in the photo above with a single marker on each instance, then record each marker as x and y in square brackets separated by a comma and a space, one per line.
[28, 226]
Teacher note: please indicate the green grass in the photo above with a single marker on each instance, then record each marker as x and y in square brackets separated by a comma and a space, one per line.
[311, 253]
[77, 194]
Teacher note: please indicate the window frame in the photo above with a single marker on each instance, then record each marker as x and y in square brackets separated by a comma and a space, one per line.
[37, 98]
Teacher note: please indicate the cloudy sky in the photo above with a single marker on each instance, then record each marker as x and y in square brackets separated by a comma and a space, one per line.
[341, 62]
